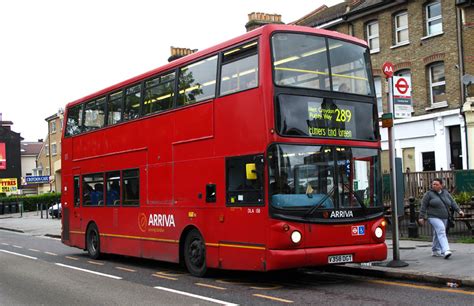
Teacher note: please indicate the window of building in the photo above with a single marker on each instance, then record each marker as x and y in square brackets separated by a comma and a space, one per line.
[131, 187]
[94, 114]
[113, 188]
[239, 69]
[241, 190]
[378, 93]
[159, 93]
[93, 189]
[429, 163]
[403, 73]
[437, 83]
[54, 149]
[46, 150]
[197, 82]
[401, 28]
[115, 106]
[132, 102]
[53, 126]
[74, 120]
[373, 36]
[434, 18]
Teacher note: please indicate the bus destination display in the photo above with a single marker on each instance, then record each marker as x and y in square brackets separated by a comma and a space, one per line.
[329, 120]
[325, 118]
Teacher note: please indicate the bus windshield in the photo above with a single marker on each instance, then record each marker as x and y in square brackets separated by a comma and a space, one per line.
[323, 177]
[302, 60]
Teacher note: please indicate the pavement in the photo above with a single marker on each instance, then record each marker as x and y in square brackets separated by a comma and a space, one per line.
[422, 267]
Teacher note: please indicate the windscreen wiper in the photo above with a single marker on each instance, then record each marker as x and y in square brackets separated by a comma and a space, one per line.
[359, 200]
[323, 199]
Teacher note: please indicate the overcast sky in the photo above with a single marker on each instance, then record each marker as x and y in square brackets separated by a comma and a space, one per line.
[56, 51]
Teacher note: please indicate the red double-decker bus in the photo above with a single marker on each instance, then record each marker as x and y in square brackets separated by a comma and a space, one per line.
[260, 153]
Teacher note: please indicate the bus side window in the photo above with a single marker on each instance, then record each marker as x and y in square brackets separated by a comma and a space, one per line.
[115, 108]
[239, 69]
[159, 94]
[113, 188]
[93, 189]
[197, 82]
[242, 189]
[133, 96]
[74, 120]
[77, 192]
[94, 114]
[130, 187]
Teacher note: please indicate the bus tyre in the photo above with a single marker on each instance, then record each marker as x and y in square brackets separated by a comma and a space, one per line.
[195, 254]
[93, 241]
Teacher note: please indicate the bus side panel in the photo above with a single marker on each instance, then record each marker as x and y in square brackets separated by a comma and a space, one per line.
[194, 123]
[240, 125]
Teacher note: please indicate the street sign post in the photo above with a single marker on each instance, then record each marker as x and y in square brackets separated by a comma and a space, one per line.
[387, 69]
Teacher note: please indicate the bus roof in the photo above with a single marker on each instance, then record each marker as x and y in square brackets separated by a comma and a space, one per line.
[267, 29]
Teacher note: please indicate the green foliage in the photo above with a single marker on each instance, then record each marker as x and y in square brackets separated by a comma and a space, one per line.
[30, 202]
[463, 197]
[466, 240]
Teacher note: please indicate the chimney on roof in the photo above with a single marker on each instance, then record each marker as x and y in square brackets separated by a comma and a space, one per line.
[179, 52]
[260, 19]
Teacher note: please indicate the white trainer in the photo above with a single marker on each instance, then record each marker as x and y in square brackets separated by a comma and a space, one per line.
[447, 254]
[436, 254]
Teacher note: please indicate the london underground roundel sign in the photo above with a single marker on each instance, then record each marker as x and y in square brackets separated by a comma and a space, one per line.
[387, 69]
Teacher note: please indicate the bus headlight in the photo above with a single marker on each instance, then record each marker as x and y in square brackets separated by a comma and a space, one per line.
[378, 232]
[296, 237]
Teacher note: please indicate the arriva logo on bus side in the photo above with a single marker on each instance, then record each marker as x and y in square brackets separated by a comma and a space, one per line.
[342, 214]
[155, 222]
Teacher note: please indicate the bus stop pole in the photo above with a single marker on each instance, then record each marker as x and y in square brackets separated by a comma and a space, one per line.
[396, 262]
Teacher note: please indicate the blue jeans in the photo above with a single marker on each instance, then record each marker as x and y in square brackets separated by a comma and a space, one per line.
[440, 240]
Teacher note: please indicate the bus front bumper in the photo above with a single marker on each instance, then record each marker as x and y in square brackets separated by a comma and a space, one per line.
[287, 259]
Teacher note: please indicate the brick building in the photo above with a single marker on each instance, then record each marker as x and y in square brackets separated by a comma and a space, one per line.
[432, 42]
[49, 158]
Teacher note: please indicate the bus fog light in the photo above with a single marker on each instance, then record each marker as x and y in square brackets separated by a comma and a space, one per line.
[378, 232]
[296, 237]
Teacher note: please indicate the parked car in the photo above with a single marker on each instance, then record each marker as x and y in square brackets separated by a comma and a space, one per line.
[55, 210]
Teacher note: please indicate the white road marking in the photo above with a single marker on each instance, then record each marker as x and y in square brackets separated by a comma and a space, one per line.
[88, 271]
[18, 254]
[195, 296]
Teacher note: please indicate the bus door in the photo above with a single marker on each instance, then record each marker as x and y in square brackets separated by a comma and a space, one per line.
[245, 215]
[75, 217]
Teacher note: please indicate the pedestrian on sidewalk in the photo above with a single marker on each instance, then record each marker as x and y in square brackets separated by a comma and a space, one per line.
[435, 206]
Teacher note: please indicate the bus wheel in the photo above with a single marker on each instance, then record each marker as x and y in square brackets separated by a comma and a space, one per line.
[195, 254]
[93, 241]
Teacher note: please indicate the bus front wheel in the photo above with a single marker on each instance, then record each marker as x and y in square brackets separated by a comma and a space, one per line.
[93, 241]
[195, 254]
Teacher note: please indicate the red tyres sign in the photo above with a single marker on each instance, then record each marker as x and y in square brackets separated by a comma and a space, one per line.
[387, 69]
[3, 156]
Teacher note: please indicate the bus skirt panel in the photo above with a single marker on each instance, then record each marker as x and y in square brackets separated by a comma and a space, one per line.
[296, 258]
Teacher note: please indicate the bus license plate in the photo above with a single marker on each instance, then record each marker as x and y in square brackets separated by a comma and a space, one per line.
[340, 258]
